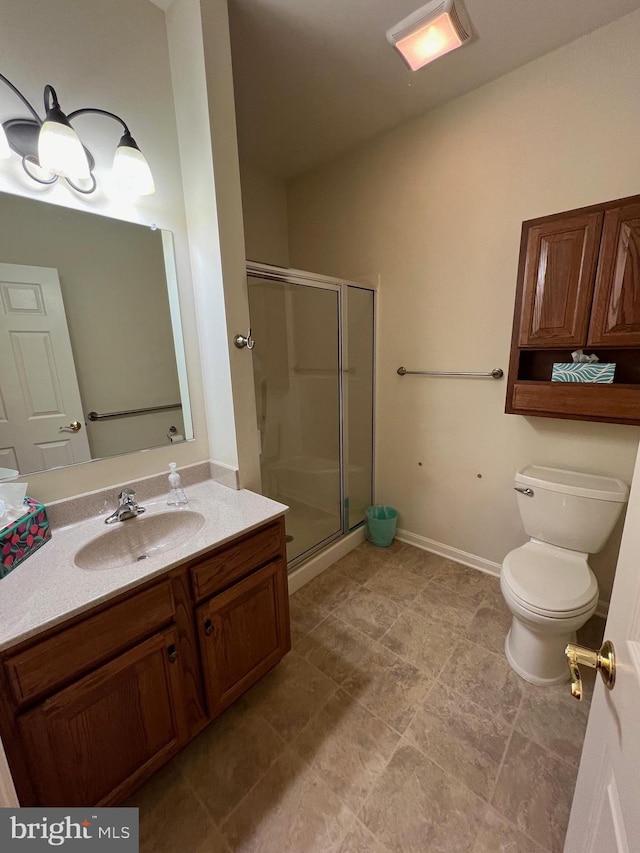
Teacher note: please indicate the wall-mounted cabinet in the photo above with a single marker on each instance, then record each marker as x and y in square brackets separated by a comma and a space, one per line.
[578, 287]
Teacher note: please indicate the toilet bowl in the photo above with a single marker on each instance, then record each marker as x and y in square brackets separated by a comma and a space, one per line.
[547, 583]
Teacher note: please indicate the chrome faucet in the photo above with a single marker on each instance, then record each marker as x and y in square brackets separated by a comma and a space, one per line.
[127, 508]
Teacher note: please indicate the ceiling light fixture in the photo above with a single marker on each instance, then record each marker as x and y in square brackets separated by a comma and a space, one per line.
[53, 147]
[430, 32]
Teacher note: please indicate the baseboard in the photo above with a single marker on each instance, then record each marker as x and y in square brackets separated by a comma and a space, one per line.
[320, 562]
[480, 563]
[471, 560]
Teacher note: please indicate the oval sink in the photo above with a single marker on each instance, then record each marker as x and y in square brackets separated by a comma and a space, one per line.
[138, 539]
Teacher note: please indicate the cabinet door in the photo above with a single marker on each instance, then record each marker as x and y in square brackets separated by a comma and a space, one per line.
[615, 319]
[243, 633]
[559, 272]
[91, 743]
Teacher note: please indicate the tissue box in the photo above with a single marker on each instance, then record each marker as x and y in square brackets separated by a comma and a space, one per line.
[23, 536]
[571, 372]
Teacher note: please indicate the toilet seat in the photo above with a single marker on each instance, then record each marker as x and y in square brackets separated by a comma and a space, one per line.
[550, 581]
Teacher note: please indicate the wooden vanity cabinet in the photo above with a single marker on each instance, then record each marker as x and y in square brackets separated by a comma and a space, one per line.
[243, 633]
[91, 708]
[243, 628]
[578, 288]
[91, 742]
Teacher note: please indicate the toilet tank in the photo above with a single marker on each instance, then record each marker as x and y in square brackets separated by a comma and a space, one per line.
[569, 509]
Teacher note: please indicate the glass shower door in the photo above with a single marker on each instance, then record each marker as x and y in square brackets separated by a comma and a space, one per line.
[296, 368]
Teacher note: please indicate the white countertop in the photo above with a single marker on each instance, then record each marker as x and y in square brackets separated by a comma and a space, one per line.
[49, 587]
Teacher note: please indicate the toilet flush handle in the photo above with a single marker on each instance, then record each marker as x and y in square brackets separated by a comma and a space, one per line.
[524, 491]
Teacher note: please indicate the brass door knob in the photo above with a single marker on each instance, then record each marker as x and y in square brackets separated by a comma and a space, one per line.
[74, 426]
[603, 660]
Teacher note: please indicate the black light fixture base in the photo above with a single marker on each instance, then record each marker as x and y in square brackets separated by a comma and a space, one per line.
[22, 135]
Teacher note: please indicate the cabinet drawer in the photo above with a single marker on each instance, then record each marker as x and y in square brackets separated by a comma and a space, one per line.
[62, 657]
[236, 561]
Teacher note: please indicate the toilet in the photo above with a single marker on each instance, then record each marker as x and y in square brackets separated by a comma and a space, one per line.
[547, 583]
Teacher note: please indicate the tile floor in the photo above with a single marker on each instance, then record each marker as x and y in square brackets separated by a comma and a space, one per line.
[395, 724]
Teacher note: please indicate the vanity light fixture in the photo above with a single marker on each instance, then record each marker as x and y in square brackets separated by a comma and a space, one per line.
[430, 32]
[51, 148]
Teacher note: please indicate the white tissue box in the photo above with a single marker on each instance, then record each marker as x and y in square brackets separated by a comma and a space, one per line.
[570, 372]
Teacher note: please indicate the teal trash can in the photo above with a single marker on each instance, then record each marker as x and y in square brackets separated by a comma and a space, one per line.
[381, 525]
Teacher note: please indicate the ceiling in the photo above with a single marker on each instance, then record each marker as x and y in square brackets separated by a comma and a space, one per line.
[316, 78]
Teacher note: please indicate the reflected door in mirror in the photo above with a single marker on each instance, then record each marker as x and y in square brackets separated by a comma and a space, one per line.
[39, 395]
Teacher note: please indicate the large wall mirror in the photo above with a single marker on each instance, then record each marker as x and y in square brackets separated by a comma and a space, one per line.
[91, 353]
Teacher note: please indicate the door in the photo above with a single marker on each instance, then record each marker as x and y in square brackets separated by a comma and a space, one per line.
[605, 817]
[39, 394]
[558, 282]
[91, 742]
[243, 633]
[615, 319]
[297, 379]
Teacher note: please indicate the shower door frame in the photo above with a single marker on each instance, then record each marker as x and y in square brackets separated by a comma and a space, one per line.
[339, 285]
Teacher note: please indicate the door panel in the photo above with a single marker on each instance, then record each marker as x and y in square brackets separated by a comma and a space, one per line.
[296, 369]
[615, 319]
[558, 281]
[605, 817]
[89, 740]
[39, 390]
[243, 633]
[358, 373]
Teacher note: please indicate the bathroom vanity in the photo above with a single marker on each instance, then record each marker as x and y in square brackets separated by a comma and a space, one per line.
[107, 671]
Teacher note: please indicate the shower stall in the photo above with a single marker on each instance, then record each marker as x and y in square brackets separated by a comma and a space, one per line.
[313, 368]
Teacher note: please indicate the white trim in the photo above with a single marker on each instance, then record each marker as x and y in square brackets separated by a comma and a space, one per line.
[321, 562]
[480, 563]
[471, 560]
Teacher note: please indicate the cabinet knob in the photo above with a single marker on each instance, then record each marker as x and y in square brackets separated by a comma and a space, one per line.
[172, 653]
[208, 627]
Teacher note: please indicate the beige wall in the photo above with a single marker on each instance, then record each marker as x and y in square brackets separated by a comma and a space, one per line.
[112, 54]
[264, 208]
[435, 209]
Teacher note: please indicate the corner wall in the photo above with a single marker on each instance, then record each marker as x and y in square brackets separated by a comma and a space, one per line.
[435, 208]
[264, 209]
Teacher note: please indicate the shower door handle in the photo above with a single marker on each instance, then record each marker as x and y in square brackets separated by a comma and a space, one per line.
[242, 341]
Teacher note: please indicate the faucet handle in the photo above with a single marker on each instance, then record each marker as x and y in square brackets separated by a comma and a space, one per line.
[125, 494]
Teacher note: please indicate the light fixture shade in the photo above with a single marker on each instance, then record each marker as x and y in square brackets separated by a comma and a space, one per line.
[131, 172]
[60, 150]
[5, 151]
[432, 31]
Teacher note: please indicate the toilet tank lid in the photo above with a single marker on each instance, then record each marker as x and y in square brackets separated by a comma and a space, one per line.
[591, 486]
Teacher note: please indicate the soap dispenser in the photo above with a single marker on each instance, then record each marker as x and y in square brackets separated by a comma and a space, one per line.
[177, 496]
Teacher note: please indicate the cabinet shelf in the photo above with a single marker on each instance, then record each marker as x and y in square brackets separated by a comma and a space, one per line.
[616, 403]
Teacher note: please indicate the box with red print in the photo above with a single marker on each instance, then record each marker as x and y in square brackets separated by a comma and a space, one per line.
[23, 536]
